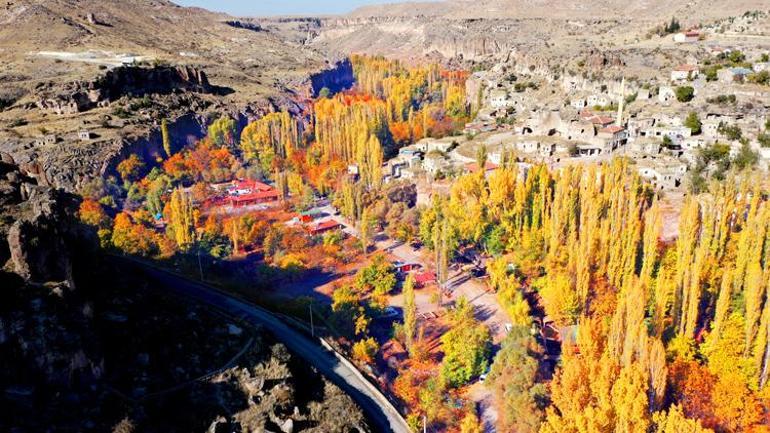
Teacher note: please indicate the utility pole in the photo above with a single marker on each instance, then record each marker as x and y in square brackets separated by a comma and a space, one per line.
[312, 329]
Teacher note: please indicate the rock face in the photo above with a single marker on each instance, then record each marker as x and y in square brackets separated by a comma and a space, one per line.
[132, 81]
[137, 81]
[597, 60]
[38, 241]
[43, 230]
[337, 78]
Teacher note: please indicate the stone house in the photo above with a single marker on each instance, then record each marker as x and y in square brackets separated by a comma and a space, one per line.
[689, 36]
[732, 75]
[613, 136]
[498, 98]
[685, 72]
[600, 100]
[84, 135]
[666, 94]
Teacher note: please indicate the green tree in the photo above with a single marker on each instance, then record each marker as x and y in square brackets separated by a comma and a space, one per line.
[693, 122]
[684, 93]
[364, 229]
[731, 132]
[513, 380]
[466, 346]
[222, 131]
[377, 279]
[736, 57]
[746, 158]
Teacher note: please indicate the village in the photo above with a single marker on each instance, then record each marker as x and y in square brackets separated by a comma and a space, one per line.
[716, 95]
[690, 122]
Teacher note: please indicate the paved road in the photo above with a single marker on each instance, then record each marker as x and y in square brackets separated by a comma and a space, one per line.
[380, 413]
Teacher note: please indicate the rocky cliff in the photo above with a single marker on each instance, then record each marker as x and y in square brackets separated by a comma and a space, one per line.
[40, 232]
[337, 78]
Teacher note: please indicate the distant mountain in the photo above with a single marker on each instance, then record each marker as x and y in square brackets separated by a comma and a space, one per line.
[234, 53]
[566, 9]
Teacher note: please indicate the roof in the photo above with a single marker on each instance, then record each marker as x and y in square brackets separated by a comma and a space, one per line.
[424, 277]
[311, 212]
[325, 225]
[474, 167]
[741, 71]
[602, 120]
[614, 129]
[687, 68]
[692, 33]
[251, 184]
[256, 195]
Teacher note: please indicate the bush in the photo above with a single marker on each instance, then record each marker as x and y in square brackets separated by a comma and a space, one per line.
[722, 100]
[762, 78]
[746, 158]
[684, 93]
[764, 139]
[731, 132]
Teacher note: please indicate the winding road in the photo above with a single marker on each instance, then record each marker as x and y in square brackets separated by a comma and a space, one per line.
[380, 412]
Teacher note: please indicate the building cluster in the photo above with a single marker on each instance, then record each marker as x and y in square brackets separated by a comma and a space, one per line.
[663, 123]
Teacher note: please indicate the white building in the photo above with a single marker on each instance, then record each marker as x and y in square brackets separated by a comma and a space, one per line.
[666, 94]
[687, 37]
[685, 72]
[498, 98]
[600, 100]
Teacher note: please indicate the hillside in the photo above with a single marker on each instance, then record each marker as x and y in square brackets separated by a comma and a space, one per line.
[101, 56]
[565, 9]
[146, 29]
[477, 29]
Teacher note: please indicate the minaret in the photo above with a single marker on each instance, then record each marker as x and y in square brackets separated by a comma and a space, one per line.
[619, 121]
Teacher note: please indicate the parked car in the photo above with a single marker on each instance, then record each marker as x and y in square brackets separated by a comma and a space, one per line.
[389, 313]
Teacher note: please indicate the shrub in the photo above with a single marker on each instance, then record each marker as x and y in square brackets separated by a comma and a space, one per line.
[684, 93]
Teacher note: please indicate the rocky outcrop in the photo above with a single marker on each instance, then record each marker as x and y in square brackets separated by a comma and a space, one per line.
[39, 242]
[131, 81]
[596, 59]
[139, 81]
[254, 27]
[337, 78]
[39, 230]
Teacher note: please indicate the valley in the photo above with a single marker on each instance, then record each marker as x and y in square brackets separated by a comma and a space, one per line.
[501, 215]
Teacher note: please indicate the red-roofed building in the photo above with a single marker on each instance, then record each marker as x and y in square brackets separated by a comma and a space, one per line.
[323, 227]
[252, 198]
[421, 279]
[685, 72]
[688, 36]
[602, 121]
[406, 267]
[473, 167]
[248, 186]
[613, 136]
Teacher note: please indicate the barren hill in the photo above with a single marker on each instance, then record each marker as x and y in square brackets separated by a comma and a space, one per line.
[147, 29]
[567, 9]
[115, 68]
